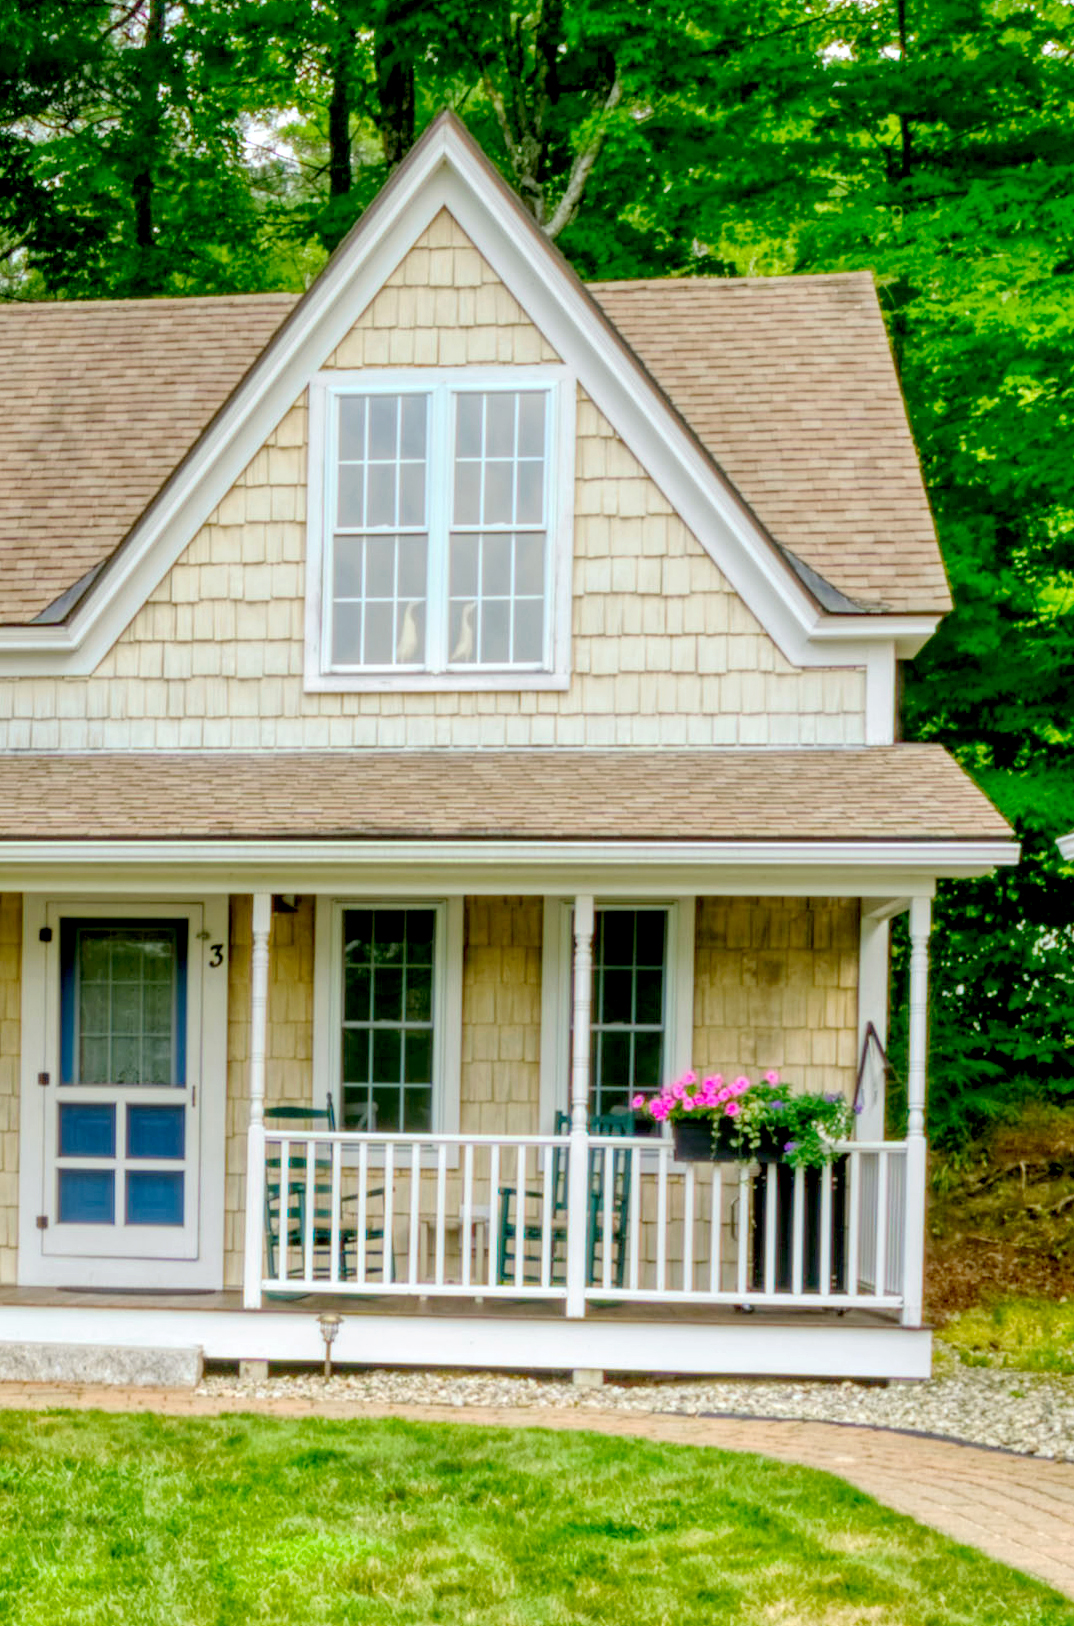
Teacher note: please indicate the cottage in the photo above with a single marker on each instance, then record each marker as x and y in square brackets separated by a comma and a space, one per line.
[432, 710]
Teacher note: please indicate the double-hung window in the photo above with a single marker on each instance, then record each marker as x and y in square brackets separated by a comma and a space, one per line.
[440, 540]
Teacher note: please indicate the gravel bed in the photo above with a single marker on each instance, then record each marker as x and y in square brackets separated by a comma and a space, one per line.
[1026, 1412]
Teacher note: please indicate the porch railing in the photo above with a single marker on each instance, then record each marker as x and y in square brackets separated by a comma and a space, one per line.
[485, 1216]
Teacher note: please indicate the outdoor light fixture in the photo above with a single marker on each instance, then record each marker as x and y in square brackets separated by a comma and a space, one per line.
[329, 1325]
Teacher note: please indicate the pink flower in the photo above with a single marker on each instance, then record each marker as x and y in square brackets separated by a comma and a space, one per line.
[659, 1108]
[771, 1078]
[678, 1089]
[712, 1083]
[638, 1102]
[741, 1083]
[725, 1094]
[732, 1109]
[688, 1103]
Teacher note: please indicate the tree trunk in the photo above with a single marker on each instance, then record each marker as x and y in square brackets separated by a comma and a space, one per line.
[395, 86]
[147, 135]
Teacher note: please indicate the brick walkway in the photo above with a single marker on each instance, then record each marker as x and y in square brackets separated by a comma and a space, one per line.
[1019, 1510]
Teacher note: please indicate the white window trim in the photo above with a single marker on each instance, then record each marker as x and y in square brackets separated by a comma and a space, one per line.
[447, 1002]
[319, 676]
[556, 963]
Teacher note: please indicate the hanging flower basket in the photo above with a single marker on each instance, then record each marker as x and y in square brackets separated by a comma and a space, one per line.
[705, 1140]
[743, 1122]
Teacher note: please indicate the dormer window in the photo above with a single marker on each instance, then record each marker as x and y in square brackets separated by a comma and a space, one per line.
[442, 543]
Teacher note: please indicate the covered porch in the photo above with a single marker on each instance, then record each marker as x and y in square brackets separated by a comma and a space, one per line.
[512, 1214]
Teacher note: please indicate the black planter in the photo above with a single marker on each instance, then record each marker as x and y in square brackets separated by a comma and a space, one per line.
[694, 1143]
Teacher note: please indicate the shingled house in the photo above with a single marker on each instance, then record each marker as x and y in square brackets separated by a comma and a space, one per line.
[443, 705]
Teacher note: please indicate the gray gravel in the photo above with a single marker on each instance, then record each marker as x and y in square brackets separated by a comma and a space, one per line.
[1018, 1411]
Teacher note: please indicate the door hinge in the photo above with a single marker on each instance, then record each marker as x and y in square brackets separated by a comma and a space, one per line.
[42, 1222]
[44, 1079]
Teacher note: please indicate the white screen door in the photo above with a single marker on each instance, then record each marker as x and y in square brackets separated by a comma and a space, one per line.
[120, 1105]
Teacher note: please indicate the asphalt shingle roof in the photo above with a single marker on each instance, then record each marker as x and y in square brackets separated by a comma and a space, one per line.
[896, 792]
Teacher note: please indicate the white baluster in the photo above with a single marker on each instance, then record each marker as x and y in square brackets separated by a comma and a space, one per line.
[634, 1218]
[495, 1263]
[467, 1211]
[309, 1210]
[854, 1201]
[335, 1212]
[770, 1239]
[362, 1221]
[716, 1229]
[880, 1277]
[662, 1216]
[741, 1273]
[688, 1230]
[824, 1279]
[389, 1209]
[546, 1220]
[285, 1206]
[797, 1230]
[520, 1210]
[441, 1199]
[415, 1213]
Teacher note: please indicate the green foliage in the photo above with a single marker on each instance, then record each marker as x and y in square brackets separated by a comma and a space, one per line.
[179, 1522]
[1030, 1335]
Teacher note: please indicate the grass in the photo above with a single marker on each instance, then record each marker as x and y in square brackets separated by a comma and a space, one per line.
[150, 1521]
[1029, 1334]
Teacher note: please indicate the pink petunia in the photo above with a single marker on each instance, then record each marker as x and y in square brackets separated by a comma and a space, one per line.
[688, 1103]
[638, 1102]
[678, 1089]
[771, 1078]
[732, 1109]
[689, 1078]
[659, 1108]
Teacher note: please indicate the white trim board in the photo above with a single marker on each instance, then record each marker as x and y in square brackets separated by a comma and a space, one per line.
[447, 170]
[757, 1347]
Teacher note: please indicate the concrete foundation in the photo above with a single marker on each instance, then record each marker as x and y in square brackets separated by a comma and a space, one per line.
[101, 1364]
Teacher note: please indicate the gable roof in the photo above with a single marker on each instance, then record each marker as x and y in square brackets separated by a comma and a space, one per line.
[446, 169]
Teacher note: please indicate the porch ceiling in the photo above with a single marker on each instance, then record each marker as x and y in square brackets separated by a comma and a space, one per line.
[883, 794]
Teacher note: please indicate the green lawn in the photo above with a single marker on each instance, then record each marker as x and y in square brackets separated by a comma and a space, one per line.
[149, 1521]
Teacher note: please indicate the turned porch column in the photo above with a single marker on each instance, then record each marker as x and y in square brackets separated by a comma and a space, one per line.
[255, 1133]
[578, 1162]
[916, 1148]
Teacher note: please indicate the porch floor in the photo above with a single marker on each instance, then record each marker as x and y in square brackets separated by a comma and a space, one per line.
[494, 1309]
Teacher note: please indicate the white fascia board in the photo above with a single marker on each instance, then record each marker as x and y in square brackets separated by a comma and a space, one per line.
[932, 858]
[447, 172]
[1066, 847]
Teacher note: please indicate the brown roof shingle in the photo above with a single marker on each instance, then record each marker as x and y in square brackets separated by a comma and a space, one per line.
[101, 400]
[787, 382]
[899, 792]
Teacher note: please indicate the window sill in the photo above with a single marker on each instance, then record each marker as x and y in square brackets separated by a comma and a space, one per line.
[433, 682]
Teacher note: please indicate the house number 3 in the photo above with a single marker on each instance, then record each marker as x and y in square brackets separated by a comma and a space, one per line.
[216, 954]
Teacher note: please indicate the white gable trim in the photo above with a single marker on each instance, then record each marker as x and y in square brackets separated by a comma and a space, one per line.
[447, 170]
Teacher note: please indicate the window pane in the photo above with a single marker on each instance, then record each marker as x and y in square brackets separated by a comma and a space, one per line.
[384, 426]
[529, 630]
[529, 565]
[614, 1060]
[381, 495]
[412, 434]
[648, 1061]
[469, 413]
[347, 567]
[125, 1004]
[530, 494]
[87, 1197]
[649, 996]
[347, 635]
[532, 411]
[419, 1057]
[464, 552]
[410, 634]
[388, 994]
[496, 566]
[616, 1004]
[616, 946]
[385, 1108]
[467, 493]
[387, 1055]
[499, 493]
[378, 644]
[651, 929]
[412, 567]
[87, 1131]
[419, 993]
[350, 492]
[352, 428]
[417, 1111]
[156, 1132]
[357, 1109]
[356, 1042]
[420, 934]
[381, 566]
[495, 632]
[500, 412]
[412, 494]
[154, 1197]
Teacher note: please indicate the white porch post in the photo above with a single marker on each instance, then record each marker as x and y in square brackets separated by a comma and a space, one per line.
[914, 1218]
[255, 1134]
[578, 1163]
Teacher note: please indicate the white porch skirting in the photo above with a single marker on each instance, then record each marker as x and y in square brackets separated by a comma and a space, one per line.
[751, 1346]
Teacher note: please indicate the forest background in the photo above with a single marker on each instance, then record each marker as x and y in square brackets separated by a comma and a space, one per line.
[215, 146]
